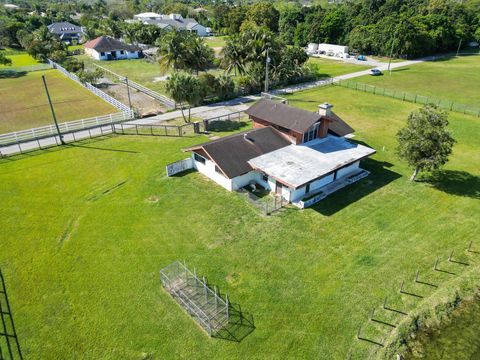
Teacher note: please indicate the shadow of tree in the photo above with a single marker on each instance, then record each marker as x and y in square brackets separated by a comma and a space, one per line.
[454, 182]
[225, 125]
[8, 73]
[240, 325]
[379, 176]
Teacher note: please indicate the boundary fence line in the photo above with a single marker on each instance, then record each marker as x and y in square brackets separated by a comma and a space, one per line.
[93, 89]
[162, 98]
[66, 127]
[407, 96]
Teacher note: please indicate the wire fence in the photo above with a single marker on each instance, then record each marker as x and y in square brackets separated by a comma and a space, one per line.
[410, 97]
[205, 305]
[162, 98]
[188, 129]
[94, 90]
[267, 204]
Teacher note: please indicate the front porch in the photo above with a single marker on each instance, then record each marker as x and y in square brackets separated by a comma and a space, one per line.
[321, 193]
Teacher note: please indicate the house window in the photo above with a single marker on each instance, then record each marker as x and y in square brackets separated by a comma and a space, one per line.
[307, 188]
[121, 52]
[199, 158]
[311, 134]
[265, 178]
[102, 54]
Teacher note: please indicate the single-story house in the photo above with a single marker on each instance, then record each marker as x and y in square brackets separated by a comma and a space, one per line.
[327, 49]
[299, 155]
[107, 48]
[172, 21]
[67, 32]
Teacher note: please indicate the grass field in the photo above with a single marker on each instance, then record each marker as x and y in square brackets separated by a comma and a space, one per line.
[23, 103]
[20, 59]
[331, 68]
[215, 41]
[454, 79]
[86, 229]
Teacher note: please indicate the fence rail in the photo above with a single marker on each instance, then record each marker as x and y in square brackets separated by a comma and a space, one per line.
[188, 129]
[162, 98]
[410, 97]
[50, 130]
[93, 89]
[266, 205]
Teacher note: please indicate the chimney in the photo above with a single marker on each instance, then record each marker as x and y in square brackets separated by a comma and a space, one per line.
[325, 109]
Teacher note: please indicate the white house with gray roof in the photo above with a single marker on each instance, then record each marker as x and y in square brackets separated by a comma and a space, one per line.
[172, 21]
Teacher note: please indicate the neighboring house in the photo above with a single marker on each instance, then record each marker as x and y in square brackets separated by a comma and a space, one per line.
[67, 32]
[107, 48]
[172, 21]
[299, 155]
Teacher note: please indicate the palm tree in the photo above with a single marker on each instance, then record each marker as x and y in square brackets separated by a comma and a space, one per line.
[185, 88]
[171, 50]
[200, 56]
[233, 56]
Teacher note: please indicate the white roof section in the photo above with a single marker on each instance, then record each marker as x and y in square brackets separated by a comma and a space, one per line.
[147, 14]
[296, 165]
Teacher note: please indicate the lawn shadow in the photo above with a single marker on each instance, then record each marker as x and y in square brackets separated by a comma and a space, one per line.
[379, 177]
[73, 145]
[11, 74]
[225, 125]
[240, 325]
[184, 173]
[454, 182]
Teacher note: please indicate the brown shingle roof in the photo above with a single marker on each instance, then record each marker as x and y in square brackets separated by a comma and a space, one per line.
[231, 153]
[106, 43]
[338, 126]
[283, 115]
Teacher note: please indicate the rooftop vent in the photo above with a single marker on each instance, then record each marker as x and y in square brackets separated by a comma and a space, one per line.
[249, 139]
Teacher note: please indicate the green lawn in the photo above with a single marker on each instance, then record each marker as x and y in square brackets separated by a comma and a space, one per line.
[86, 229]
[332, 68]
[24, 104]
[454, 79]
[20, 59]
[215, 41]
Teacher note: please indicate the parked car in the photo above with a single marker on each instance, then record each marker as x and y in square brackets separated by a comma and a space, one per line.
[362, 58]
[375, 72]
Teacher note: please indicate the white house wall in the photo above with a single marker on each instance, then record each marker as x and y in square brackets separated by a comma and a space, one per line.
[321, 182]
[98, 56]
[209, 170]
[348, 170]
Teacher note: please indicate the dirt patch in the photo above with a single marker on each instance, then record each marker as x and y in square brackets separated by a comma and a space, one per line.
[143, 104]
[153, 199]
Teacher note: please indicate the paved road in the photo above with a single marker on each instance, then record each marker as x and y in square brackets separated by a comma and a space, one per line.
[204, 112]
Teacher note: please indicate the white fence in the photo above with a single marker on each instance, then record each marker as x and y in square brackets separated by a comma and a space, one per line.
[179, 166]
[66, 127]
[93, 89]
[162, 98]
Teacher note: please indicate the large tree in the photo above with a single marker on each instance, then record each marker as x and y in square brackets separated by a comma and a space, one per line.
[4, 60]
[185, 89]
[425, 142]
[264, 14]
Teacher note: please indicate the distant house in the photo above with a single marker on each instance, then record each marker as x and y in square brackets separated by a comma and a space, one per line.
[172, 21]
[299, 155]
[67, 32]
[107, 48]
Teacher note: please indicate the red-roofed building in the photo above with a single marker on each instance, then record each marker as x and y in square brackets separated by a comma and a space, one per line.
[107, 48]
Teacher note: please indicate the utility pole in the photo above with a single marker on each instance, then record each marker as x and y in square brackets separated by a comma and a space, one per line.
[459, 44]
[391, 53]
[128, 93]
[53, 111]
[267, 62]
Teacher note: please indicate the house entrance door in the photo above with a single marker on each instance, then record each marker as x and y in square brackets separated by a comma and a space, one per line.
[278, 188]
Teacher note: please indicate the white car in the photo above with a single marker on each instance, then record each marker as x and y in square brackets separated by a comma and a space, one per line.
[375, 72]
